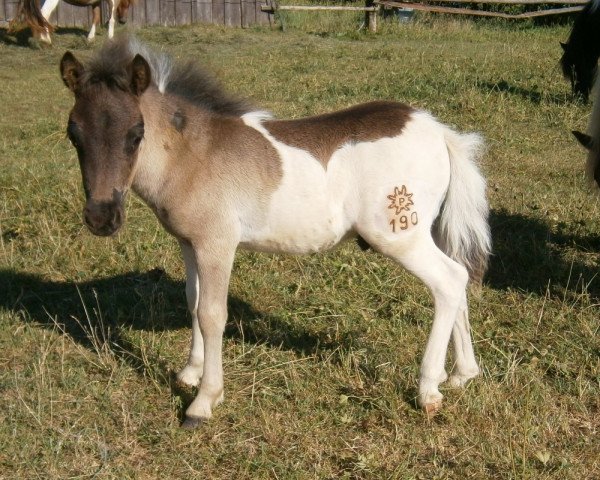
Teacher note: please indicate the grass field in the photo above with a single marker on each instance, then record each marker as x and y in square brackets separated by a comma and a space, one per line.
[321, 352]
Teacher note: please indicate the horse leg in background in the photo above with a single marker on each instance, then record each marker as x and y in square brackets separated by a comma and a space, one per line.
[112, 6]
[447, 281]
[214, 262]
[47, 9]
[96, 16]
[192, 373]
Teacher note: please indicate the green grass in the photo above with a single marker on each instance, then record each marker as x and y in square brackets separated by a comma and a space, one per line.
[321, 352]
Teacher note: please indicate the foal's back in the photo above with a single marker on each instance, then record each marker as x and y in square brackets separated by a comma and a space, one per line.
[339, 169]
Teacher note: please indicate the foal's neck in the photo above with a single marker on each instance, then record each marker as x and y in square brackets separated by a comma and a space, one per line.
[171, 133]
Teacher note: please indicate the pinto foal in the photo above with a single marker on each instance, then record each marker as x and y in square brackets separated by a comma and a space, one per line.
[219, 175]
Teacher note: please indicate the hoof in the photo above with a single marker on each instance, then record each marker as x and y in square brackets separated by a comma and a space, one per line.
[191, 423]
[431, 409]
[34, 43]
[188, 378]
[459, 381]
[184, 385]
[190, 375]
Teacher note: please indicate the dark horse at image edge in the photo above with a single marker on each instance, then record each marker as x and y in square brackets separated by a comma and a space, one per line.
[579, 61]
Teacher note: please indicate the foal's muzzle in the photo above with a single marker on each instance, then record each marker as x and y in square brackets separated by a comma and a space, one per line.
[103, 218]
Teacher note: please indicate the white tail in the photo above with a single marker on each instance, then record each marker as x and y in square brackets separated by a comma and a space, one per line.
[463, 232]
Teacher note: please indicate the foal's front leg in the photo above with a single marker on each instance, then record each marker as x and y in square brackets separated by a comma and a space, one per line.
[214, 269]
[192, 372]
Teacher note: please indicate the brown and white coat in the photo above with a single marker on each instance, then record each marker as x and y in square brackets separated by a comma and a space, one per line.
[220, 175]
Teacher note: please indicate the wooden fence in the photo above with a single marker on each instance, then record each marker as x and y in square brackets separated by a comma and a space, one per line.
[576, 6]
[245, 13]
[236, 13]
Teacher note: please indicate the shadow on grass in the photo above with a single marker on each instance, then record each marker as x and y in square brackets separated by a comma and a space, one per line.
[143, 301]
[17, 38]
[23, 38]
[528, 255]
[532, 95]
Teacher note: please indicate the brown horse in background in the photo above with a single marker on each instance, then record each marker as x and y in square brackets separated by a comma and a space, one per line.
[38, 19]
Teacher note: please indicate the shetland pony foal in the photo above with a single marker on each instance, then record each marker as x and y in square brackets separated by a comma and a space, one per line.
[219, 175]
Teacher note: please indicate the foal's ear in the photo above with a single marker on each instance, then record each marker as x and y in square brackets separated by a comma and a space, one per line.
[140, 74]
[70, 71]
[584, 139]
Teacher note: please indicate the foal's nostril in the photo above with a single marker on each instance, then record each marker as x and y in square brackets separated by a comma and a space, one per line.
[116, 219]
[88, 217]
[103, 218]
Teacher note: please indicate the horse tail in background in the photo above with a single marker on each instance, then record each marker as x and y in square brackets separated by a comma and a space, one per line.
[28, 11]
[462, 231]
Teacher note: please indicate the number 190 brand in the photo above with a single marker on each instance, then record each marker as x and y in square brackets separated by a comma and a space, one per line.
[403, 222]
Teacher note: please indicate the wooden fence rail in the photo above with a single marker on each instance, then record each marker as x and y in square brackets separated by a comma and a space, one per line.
[504, 2]
[370, 10]
[425, 7]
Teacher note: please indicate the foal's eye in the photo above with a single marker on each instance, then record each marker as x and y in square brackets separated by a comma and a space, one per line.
[73, 134]
[134, 137]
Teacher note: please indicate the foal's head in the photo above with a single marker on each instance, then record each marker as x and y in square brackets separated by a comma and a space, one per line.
[106, 128]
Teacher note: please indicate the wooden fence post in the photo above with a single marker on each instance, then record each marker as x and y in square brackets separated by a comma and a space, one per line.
[370, 16]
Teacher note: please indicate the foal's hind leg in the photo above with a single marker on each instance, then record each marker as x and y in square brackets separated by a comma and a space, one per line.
[447, 281]
[465, 365]
[192, 372]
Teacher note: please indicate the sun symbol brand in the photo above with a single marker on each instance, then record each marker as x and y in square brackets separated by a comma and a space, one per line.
[401, 200]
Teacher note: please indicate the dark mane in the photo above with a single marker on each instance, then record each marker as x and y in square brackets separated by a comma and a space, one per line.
[186, 80]
[109, 65]
[199, 87]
